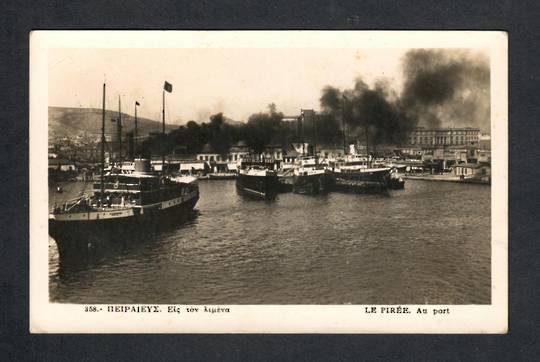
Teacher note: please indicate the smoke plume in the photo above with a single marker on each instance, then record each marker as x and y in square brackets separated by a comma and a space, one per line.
[369, 113]
[442, 88]
[447, 88]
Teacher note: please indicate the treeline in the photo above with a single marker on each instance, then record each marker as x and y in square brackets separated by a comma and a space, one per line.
[261, 130]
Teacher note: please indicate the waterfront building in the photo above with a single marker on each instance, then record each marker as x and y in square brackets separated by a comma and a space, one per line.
[426, 137]
[274, 152]
[330, 152]
[484, 149]
[238, 151]
[208, 154]
[290, 154]
[193, 168]
[61, 164]
[471, 170]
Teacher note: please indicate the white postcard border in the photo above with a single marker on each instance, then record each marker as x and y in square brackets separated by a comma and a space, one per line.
[46, 317]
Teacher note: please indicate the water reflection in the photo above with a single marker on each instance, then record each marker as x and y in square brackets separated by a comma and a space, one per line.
[134, 244]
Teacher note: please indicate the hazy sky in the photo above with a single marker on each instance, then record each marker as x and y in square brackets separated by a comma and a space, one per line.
[237, 82]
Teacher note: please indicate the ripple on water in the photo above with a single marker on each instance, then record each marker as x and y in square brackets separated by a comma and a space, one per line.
[429, 243]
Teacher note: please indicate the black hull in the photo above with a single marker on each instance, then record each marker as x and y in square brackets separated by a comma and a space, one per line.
[285, 183]
[222, 177]
[376, 181]
[313, 184]
[396, 184]
[93, 236]
[264, 187]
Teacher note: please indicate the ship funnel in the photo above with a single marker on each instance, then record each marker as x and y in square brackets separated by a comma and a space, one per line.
[142, 165]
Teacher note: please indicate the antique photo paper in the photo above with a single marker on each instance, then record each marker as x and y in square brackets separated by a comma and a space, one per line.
[268, 182]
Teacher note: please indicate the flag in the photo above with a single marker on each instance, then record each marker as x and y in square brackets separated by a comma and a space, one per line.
[137, 103]
[167, 86]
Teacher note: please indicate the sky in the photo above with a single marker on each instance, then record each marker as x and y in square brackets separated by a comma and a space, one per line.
[235, 81]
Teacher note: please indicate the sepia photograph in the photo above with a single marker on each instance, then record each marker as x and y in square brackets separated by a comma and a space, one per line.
[234, 171]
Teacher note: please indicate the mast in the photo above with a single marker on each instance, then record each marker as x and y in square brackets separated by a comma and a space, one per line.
[135, 136]
[166, 87]
[102, 185]
[120, 130]
[367, 139]
[315, 134]
[302, 122]
[367, 144]
[343, 124]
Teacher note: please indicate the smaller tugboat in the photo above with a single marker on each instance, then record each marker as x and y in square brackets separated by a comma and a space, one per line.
[311, 177]
[397, 173]
[258, 178]
[396, 182]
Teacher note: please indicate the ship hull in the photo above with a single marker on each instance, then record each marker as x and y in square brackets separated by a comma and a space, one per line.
[222, 176]
[361, 181]
[76, 237]
[312, 184]
[396, 183]
[264, 187]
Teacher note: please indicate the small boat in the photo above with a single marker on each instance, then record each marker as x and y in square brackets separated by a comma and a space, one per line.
[59, 189]
[258, 178]
[396, 182]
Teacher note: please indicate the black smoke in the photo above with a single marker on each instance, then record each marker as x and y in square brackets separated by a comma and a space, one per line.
[447, 88]
[441, 88]
[368, 113]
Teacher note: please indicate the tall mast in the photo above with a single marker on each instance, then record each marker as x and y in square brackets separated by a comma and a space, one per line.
[135, 137]
[315, 134]
[303, 121]
[102, 185]
[163, 134]
[367, 140]
[343, 124]
[166, 87]
[120, 130]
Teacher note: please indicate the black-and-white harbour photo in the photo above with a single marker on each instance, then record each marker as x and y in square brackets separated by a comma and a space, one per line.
[270, 176]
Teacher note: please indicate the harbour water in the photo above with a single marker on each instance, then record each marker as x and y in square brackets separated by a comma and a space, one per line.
[429, 243]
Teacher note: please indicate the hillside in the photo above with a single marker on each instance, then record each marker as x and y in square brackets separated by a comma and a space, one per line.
[70, 122]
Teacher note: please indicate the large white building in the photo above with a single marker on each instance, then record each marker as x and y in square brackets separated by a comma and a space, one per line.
[436, 137]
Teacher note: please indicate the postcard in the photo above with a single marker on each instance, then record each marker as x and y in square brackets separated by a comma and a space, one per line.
[268, 182]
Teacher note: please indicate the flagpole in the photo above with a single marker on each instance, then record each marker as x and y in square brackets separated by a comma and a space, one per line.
[102, 185]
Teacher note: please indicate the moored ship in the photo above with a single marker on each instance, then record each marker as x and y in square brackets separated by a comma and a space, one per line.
[258, 178]
[122, 204]
[311, 177]
[355, 173]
